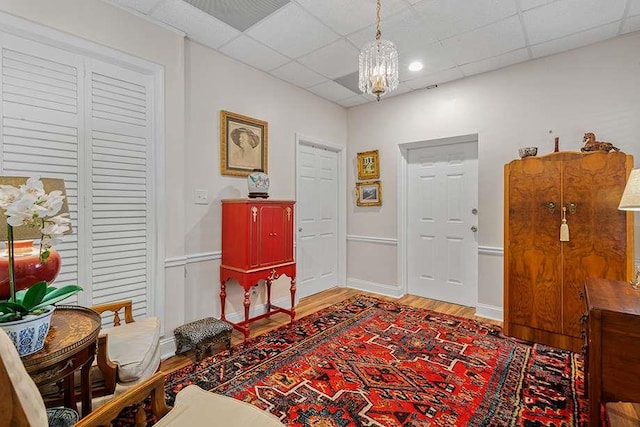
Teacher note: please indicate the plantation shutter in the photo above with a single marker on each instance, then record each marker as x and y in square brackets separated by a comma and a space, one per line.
[120, 134]
[68, 116]
[41, 121]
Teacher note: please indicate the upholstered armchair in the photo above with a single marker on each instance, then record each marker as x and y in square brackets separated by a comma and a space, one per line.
[128, 352]
[21, 403]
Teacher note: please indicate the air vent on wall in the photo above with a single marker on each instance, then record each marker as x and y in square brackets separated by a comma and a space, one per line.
[240, 14]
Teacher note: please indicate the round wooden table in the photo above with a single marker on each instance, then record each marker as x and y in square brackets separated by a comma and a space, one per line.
[69, 346]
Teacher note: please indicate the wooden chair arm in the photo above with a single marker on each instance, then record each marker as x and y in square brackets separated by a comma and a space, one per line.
[108, 369]
[115, 307]
[105, 414]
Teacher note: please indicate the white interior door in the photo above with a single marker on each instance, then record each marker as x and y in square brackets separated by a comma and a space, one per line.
[317, 218]
[442, 248]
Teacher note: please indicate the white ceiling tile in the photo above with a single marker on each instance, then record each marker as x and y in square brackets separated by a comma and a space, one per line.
[298, 74]
[144, 6]
[496, 62]
[530, 4]
[336, 60]
[292, 31]
[249, 51]
[402, 89]
[434, 57]
[347, 16]
[486, 42]
[575, 40]
[446, 18]
[406, 30]
[565, 17]
[435, 78]
[353, 101]
[331, 91]
[196, 24]
[631, 24]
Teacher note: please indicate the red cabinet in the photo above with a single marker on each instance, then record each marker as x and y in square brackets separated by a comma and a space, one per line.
[257, 244]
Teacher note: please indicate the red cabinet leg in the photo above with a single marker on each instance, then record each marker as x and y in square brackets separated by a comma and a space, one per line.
[247, 305]
[292, 289]
[223, 298]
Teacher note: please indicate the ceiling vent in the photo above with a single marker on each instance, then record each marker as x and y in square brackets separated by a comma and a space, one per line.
[350, 81]
[240, 14]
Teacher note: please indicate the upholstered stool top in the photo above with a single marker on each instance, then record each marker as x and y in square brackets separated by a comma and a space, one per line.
[202, 334]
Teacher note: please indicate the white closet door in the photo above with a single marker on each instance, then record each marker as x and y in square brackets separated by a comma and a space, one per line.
[41, 125]
[118, 130]
[68, 116]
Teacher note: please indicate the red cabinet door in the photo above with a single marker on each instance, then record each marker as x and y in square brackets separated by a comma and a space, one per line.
[274, 234]
[256, 233]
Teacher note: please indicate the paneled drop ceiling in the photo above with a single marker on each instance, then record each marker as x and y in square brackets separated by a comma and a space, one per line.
[315, 44]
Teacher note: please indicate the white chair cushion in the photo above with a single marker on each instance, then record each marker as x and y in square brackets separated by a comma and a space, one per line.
[23, 385]
[196, 407]
[135, 348]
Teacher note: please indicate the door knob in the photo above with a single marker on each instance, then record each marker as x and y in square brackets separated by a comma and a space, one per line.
[474, 228]
[474, 211]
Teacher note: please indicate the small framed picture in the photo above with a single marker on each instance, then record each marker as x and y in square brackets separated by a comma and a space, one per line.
[369, 193]
[243, 144]
[368, 165]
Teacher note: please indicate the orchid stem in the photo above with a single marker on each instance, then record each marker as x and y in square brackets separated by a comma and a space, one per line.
[12, 276]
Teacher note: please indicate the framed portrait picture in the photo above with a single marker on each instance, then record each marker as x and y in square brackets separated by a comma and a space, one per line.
[368, 165]
[243, 144]
[369, 193]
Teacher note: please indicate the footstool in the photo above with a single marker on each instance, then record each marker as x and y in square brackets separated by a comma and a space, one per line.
[202, 335]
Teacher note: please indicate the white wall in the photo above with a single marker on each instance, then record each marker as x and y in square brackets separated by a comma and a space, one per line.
[110, 26]
[215, 82]
[594, 89]
[198, 84]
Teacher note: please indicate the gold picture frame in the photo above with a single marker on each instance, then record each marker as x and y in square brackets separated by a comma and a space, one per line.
[369, 193]
[368, 165]
[243, 144]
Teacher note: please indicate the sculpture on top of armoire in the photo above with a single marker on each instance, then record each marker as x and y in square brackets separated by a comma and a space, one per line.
[544, 268]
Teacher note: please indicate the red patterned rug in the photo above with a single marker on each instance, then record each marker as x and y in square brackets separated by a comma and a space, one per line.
[368, 362]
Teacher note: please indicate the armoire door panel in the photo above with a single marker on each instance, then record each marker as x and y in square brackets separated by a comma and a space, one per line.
[534, 248]
[597, 247]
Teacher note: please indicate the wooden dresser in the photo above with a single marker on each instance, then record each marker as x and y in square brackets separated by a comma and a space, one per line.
[612, 359]
[257, 244]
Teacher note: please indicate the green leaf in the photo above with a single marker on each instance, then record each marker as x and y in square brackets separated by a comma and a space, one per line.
[58, 295]
[20, 295]
[10, 307]
[8, 317]
[51, 289]
[34, 295]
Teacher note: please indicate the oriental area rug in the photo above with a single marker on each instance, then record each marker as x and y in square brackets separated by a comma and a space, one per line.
[369, 362]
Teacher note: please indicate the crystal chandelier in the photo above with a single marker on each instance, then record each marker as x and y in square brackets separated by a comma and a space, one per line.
[378, 70]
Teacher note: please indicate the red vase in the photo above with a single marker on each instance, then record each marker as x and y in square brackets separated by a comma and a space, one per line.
[29, 268]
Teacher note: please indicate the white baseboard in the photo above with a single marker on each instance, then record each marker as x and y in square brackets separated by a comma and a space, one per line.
[377, 288]
[489, 312]
[167, 347]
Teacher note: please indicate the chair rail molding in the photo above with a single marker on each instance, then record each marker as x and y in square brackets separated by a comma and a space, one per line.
[490, 250]
[371, 239]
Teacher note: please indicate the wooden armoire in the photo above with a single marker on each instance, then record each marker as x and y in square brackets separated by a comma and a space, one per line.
[544, 277]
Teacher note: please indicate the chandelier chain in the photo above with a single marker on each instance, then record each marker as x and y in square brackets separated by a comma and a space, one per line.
[378, 32]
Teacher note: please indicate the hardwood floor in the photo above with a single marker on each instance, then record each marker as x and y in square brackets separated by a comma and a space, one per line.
[620, 414]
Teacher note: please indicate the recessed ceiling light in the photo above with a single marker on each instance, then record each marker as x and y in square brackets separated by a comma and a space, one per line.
[415, 66]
